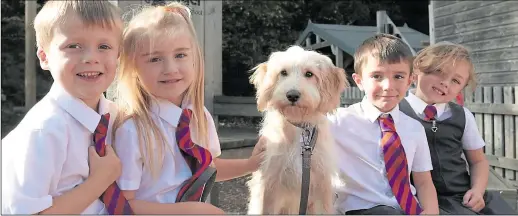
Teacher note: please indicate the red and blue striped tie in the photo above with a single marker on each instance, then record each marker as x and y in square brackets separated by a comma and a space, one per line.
[397, 166]
[190, 150]
[113, 199]
[429, 113]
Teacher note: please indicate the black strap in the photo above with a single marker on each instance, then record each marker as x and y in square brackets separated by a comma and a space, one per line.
[207, 179]
[306, 171]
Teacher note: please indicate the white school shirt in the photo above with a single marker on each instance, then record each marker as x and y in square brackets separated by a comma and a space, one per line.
[46, 155]
[471, 139]
[362, 168]
[174, 171]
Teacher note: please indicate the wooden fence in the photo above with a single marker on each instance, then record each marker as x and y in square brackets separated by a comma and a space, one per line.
[496, 113]
[350, 96]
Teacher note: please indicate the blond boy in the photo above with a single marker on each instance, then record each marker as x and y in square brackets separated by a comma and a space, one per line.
[442, 71]
[49, 164]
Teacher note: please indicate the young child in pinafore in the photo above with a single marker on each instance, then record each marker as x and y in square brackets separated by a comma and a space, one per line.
[381, 147]
[165, 137]
[442, 71]
[49, 163]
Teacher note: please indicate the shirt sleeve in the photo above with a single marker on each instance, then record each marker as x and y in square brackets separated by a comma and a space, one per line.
[214, 145]
[31, 166]
[471, 139]
[126, 146]
[422, 160]
[334, 120]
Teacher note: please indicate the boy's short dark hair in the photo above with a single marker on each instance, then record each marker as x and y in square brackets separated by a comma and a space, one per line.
[386, 48]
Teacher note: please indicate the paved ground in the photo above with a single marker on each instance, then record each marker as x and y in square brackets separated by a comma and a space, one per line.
[233, 194]
[235, 143]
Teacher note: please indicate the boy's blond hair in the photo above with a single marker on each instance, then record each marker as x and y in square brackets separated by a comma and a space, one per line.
[134, 100]
[93, 13]
[434, 57]
[384, 47]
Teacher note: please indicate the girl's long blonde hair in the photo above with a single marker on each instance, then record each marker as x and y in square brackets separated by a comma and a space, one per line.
[132, 97]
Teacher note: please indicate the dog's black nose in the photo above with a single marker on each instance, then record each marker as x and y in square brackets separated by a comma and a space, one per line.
[293, 95]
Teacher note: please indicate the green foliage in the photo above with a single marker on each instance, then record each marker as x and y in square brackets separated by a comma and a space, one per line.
[12, 55]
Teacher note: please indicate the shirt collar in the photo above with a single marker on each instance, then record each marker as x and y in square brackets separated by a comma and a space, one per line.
[372, 113]
[85, 115]
[167, 111]
[419, 105]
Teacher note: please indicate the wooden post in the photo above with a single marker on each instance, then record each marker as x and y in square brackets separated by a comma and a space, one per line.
[339, 58]
[431, 22]
[30, 54]
[110, 92]
[211, 33]
[213, 49]
[381, 21]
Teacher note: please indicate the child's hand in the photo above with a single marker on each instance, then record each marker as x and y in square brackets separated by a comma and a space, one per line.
[474, 200]
[425, 212]
[107, 168]
[254, 161]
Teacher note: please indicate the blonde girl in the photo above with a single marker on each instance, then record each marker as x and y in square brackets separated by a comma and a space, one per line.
[161, 74]
[442, 71]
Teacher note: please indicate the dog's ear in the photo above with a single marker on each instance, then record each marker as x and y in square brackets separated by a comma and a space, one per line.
[336, 82]
[258, 75]
[263, 93]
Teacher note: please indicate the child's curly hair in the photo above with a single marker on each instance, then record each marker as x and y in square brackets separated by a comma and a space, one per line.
[434, 57]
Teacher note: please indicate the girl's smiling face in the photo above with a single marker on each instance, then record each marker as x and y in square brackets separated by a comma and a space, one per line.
[166, 66]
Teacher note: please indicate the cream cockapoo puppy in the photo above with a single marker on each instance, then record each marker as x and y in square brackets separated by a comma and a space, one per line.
[295, 86]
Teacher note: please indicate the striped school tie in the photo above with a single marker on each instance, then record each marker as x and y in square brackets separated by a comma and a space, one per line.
[197, 157]
[397, 166]
[429, 113]
[113, 199]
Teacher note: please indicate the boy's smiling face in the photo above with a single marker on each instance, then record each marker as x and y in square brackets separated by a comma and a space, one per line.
[82, 59]
[384, 84]
[444, 85]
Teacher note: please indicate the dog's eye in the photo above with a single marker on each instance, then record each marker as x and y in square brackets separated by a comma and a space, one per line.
[284, 73]
[308, 74]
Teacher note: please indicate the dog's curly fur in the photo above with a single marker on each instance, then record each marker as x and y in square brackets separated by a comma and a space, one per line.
[295, 86]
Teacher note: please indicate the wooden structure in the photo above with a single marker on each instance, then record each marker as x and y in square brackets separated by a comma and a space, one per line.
[345, 39]
[488, 28]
